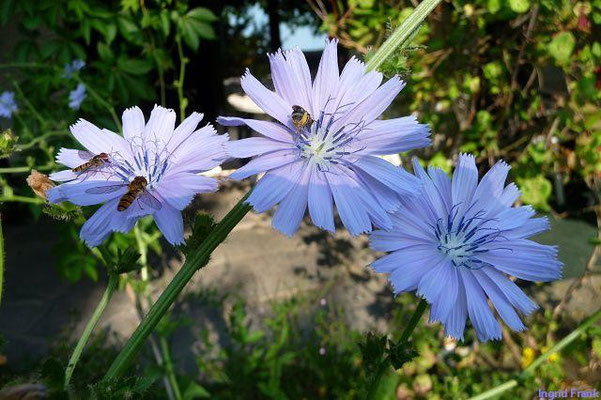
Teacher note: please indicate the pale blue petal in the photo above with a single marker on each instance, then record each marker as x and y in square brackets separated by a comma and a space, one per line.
[268, 129]
[274, 186]
[73, 158]
[245, 148]
[98, 140]
[482, 318]
[499, 301]
[455, 322]
[133, 123]
[291, 77]
[267, 100]
[65, 175]
[396, 178]
[289, 214]
[320, 201]
[265, 163]
[524, 259]
[161, 125]
[386, 197]
[170, 223]
[352, 213]
[98, 226]
[514, 294]
[465, 180]
[531, 227]
[392, 240]
[76, 192]
[395, 136]
[180, 189]
[355, 84]
[439, 289]
[326, 81]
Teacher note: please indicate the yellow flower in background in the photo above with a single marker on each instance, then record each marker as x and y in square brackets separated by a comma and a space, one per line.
[553, 357]
[527, 356]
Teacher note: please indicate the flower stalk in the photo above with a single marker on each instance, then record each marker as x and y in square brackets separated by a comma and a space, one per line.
[83, 340]
[196, 260]
[401, 35]
[541, 359]
[1, 260]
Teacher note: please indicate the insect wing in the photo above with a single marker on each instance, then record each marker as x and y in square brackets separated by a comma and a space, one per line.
[105, 189]
[150, 200]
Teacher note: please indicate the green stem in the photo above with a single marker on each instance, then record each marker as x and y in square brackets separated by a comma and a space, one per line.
[196, 260]
[21, 199]
[38, 139]
[541, 359]
[23, 169]
[106, 297]
[168, 365]
[1, 260]
[179, 84]
[101, 101]
[30, 106]
[402, 33]
[385, 365]
[415, 318]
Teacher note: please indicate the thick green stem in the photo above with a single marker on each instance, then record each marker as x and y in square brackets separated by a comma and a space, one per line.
[541, 359]
[415, 318]
[196, 260]
[104, 301]
[402, 33]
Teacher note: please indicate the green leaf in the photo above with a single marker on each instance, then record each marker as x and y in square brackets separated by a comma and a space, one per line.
[195, 391]
[134, 67]
[104, 51]
[536, 191]
[519, 6]
[202, 14]
[561, 47]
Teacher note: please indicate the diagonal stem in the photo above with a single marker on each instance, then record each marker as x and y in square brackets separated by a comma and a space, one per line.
[541, 359]
[196, 260]
[106, 297]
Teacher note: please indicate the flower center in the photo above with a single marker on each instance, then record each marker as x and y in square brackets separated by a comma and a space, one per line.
[464, 238]
[150, 160]
[318, 147]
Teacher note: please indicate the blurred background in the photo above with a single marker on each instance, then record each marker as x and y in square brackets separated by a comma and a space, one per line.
[273, 317]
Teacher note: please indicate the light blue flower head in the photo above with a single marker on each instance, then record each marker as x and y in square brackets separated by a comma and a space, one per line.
[77, 96]
[70, 68]
[333, 160]
[456, 242]
[168, 159]
[7, 104]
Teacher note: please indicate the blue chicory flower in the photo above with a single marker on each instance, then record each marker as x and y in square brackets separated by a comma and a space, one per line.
[333, 159]
[75, 65]
[7, 104]
[165, 159]
[77, 96]
[456, 242]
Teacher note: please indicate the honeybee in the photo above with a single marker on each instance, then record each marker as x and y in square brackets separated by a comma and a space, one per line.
[136, 189]
[300, 117]
[96, 161]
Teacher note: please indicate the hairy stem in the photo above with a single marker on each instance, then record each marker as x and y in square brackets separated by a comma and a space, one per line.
[168, 366]
[197, 259]
[401, 34]
[104, 301]
[179, 84]
[541, 359]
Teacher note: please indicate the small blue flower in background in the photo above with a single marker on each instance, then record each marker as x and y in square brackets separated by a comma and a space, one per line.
[456, 242]
[152, 169]
[77, 96]
[334, 159]
[7, 104]
[75, 65]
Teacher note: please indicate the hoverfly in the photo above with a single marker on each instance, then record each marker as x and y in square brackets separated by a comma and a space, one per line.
[96, 161]
[300, 117]
[136, 189]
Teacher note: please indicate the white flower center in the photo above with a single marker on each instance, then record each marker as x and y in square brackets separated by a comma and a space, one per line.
[318, 149]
